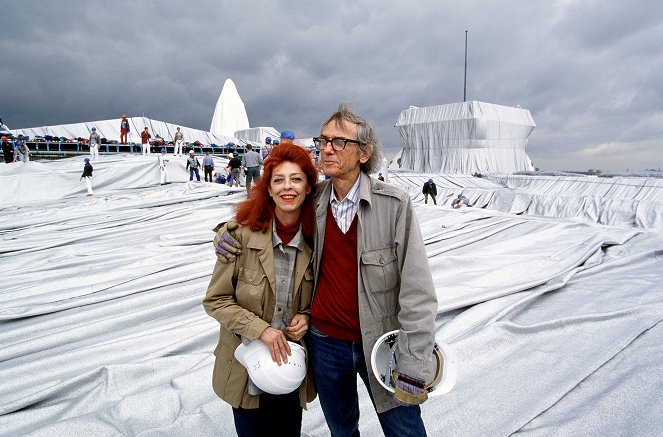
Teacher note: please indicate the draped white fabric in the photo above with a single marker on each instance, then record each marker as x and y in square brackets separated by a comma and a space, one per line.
[465, 137]
[556, 323]
[110, 129]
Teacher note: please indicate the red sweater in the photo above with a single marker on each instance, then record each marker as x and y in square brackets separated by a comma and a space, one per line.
[335, 309]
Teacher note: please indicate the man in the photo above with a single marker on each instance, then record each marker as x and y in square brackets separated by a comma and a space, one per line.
[235, 165]
[145, 141]
[95, 142]
[124, 129]
[192, 164]
[178, 138]
[251, 162]
[21, 152]
[208, 166]
[7, 150]
[87, 175]
[429, 188]
[162, 166]
[460, 201]
[267, 148]
[287, 136]
[365, 223]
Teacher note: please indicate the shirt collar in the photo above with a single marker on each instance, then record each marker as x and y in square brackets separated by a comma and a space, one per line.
[353, 194]
[297, 241]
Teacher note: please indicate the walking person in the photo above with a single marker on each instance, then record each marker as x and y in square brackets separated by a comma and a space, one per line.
[145, 141]
[192, 164]
[429, 189]
[251, 162]
[275, 233]
[87, 175]
[208, 167]
[124, 129]
[162, 167]
[7, 150]
[95, 143]
[21, 152]
[235, 165]
[178, 139]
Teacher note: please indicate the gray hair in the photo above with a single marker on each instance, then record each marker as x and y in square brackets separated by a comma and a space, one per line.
[369, 143]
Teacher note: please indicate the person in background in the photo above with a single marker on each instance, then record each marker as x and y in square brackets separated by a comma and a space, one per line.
[380, 177]
[162, 167]
[251, 161]
[208, 166]
[460, 201]
[429, 189]
[95, 142]
[124, 129]
[266, 149]
[7, 150]
[287, 137]
[372, 276]
[192, 164]
[178, 140]
[87, 175]
[276, 226]
[235, 165]
[145, 141]
[21, 152]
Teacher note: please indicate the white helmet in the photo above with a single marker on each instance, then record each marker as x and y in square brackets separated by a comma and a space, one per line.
[266, 374]
[383, 363]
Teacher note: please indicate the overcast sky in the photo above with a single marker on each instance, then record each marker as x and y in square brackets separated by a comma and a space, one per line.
[590, 72]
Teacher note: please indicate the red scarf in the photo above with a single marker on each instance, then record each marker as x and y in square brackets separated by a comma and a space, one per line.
[286, 232]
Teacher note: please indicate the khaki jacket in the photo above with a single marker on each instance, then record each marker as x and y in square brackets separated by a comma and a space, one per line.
[241, 297]
[395, 284]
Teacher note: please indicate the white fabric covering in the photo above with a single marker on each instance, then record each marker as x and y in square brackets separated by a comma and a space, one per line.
[465, 137]
[110, 129]
[229, 113]
[556, 323]
[257, 134]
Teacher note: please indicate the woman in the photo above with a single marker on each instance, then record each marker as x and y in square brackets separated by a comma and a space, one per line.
[265, 293]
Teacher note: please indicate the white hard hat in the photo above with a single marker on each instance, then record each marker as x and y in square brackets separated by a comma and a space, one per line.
[443, 363]
[266, 374]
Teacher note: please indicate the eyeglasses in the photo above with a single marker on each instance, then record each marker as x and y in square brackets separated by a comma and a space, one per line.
[337, 144]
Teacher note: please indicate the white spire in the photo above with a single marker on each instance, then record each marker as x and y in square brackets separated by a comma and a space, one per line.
[229, 114]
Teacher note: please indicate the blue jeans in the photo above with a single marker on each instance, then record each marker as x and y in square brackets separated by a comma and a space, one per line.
[192, 171]
[252, 174]
[336, 364]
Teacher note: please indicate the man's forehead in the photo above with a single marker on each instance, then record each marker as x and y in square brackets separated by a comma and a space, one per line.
[345, 127]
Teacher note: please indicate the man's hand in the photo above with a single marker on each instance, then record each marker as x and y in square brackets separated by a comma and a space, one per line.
[277, 344]
[226, 245]
[409, 390]
[297, 328]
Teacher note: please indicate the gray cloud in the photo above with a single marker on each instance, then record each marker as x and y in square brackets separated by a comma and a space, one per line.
[588, 71]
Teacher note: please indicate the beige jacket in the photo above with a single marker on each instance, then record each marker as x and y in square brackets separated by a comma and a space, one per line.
[241, 297]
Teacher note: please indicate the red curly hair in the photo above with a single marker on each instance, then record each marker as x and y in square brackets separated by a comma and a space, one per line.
[257, 211]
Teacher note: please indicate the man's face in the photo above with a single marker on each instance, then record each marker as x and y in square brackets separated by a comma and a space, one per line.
[341, 164]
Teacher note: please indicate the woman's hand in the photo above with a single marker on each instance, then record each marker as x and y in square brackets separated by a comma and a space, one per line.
[297, 328]
[277, 344]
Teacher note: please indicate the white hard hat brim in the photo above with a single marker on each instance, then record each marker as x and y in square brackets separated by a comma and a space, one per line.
[443, 365]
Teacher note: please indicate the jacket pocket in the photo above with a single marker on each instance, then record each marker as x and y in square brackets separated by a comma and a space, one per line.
[379, 270]
[250, 291]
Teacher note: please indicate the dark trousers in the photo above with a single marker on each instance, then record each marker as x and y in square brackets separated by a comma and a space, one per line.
[192, 171]
[208, 172]
[277, 415]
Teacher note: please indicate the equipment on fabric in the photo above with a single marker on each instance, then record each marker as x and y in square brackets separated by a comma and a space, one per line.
[383, 364]
[266, 374]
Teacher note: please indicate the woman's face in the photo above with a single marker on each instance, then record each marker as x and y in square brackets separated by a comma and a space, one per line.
[288, 187]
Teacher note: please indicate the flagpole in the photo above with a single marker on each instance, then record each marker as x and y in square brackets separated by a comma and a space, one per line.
[465, 76]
